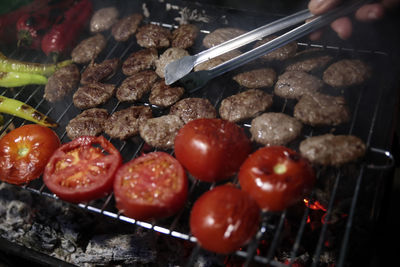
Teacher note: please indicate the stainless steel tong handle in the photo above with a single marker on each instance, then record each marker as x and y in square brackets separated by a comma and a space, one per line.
[195, 80]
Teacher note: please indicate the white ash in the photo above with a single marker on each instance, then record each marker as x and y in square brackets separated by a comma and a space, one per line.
[146, 12]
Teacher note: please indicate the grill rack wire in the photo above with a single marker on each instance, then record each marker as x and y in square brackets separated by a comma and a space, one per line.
[271, 222]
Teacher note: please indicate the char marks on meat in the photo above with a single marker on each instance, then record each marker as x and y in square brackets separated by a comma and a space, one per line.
[257, 78]
[209, 64]
[160, 132]
[92, 95]
[64, 81]
[333, 150]
[275, 129]
[294, 84]
[88, 49]
[346, 72]
[151, 35]
[136, 86]
[163, 95]
[171, 54]
[97, 72]
[184, 36]
[245, 105]
[319, 109]
[89, 122]
[310, 64]
[126, 27]
[125, 123]
[103, 19]
[143, 59]
[192, 108]
[280, 54]
[221, 35]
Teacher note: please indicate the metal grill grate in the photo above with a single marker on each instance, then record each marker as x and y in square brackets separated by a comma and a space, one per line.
[366, 105]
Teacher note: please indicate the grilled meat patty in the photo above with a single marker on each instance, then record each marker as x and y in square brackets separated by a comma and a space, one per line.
[160, 132]
[192, 108]
[346, 72]
[125, 123]
[123, 29]
[151, 35]
[97, 72]
[163, 95]
[209, 64]
[184, 36]
[103, 19]
[92, 95]
[280, 54]
[294, 84]
[335, 150]
[143, 59]
[221, 35]
[275, 129]
[257, 78]
[319, 109]
[61, 83]
[89, 122]
[171, 54]
[136, 86]
[88, 49]
[310, 64]
[245, 105]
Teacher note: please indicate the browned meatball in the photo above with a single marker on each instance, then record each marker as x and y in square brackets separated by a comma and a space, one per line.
[103, 19]
[294, 84]
[245, 105]
[135, 86]
[257, 78]
[310, 64]
[92, 95]
[61, 83]
[171, 54]
[89, 122]
[88, 49]
[221, 35]
[280, 54]
[151, 35]
[319, 109]
[192, 108]
[346, 72]
[163, 95]
[126, 27]
[332, 149]
[209, 64]
[97, 72]
[275, 129]
[140, 60]
[184, 36]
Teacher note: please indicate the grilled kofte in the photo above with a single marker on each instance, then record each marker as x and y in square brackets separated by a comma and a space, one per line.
[221, 35]
[92, 95]
[171, 54]
[136, 86]
[63, 82]
[257, 78]
[123, 29]
[192, 108]
[346, 72]
[184, 36]
[294, 84]
[143, 59]
[163, 95]
[103, 19]
[151, 35]
[88, 49]
[89, 122]
[280, 54]
[97, 72]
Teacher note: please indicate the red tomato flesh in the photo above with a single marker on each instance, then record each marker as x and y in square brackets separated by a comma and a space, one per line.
[276, 177]
[211, 149]
[224, 219]
[153, 185]
[83, 169]
[25, 151]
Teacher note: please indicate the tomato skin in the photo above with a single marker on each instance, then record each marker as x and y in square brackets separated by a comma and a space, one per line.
[25, 151]
[211, 149]
[224, 219]
[80, 171]
[276, 177]
[158, 183]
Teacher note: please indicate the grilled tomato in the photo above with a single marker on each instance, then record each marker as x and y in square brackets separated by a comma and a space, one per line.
[25, 151]
[224, 219]
[83, 169]
[153, 185]
[211, 149]
[276, 177]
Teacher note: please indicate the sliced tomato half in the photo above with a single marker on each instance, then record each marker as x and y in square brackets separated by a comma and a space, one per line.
[153, 185]
[83, 169]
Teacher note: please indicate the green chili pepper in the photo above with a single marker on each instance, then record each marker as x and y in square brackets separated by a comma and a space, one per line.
[12, 65]
[13, 79]
[20, 109]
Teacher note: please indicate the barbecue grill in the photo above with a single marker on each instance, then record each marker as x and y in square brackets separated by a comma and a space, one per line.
[331, 227]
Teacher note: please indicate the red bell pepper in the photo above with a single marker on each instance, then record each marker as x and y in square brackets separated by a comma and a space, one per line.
[32, 26]
[63, 36]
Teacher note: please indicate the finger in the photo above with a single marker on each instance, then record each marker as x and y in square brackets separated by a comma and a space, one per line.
[370, 12]
[314, 36]
[390, 3]
[342, 27]
[318, 7]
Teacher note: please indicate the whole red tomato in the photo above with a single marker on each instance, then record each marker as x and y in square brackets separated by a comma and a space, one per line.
[83, 169]
[224, 219]
[25, 151]
[211, 149]
[276, 177]
[153, 185]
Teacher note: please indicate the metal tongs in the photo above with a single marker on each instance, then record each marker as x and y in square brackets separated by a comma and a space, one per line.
[181, 69]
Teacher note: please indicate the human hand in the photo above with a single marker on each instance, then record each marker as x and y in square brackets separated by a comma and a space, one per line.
[343, 26]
